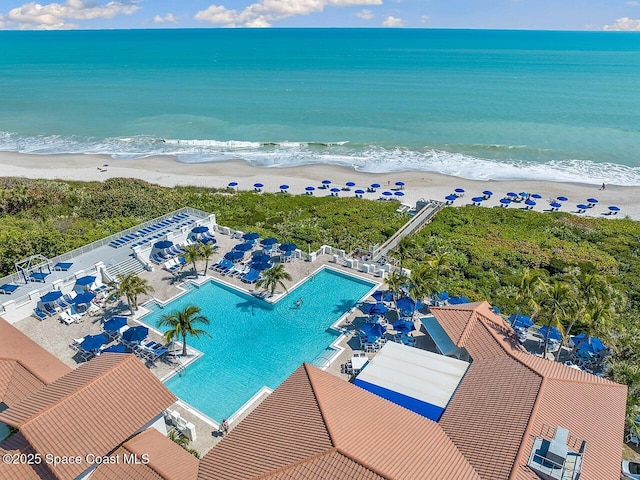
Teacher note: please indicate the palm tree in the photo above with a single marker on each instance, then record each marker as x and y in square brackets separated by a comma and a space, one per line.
[421, 283]
[557, 303]
[598, 316]
[529, 285]
[395, 282]
[191, 255]
[182, 323]
[404, 247]
[206, 250]
[130, 286]
[441, 262]
[272, 278]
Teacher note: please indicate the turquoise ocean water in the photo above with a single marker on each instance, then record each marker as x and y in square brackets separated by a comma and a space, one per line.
[478, 104]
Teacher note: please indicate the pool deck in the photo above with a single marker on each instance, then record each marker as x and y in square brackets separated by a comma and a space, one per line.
[56, 337]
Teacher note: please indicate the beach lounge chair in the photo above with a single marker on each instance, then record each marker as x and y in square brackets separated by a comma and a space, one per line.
[8, 288]
[39, 313]
[251, 277]
[62, 266]
[49, 309]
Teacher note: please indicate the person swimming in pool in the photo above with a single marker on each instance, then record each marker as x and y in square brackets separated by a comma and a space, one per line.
[299, 302]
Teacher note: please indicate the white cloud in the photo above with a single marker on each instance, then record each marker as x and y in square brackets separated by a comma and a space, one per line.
[624, 24]
[365, 14]
[633, 3]
[392, 21]
[263, 12]
[424, 19]
[55, 16]
[168, 18]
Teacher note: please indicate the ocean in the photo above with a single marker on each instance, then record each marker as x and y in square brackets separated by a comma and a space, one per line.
[479, 104]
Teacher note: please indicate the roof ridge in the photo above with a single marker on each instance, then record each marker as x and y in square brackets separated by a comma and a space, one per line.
[19, 362]
[289, 466]
[362, 463]
[323, 413]
[119, 362]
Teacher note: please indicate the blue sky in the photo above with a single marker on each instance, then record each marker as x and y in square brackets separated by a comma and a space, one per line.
[500, 14]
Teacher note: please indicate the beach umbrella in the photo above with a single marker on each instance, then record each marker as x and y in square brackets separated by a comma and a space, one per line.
[284, 187]
[161, 245]
[378, 309]
[234, 255]
[407, 304]
[350, 184]
[555, 204]
[200, 229]
[523, 194]
[51, 296]
[512, 194]
[135, 334]
[251, 236]
[335, 190]
[114, 324]
[536, 195]
[260, 266]
[373, 330]
[520, 321]
[459, 190]
[258, 185]
[310, 189]
[488, 193]
[115, 349]
[267, 242]
[93, 342]
[387, 194]
[359, 192]
[582, 206]
[399, 194]
[243, 247]
[477, 200]
[401, 184]
[458, 300]
[451, 198]
[382, 295]
[592, 200]
[375, 185]
[613, 208]
[326, 182]
[562, 198]
[84, 297]
[588, 344]
[260, 257]
[529, 202]
[232, 184]
[403, 326]
[288, 247]
[505, 201]
[554, 333]
[86, 280]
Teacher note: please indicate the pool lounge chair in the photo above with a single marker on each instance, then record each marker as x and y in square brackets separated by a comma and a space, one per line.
[66, 318]
[37, 277]
[49, 309]
[39, 313]
[62, 266]
[8, 288]
[251, 277]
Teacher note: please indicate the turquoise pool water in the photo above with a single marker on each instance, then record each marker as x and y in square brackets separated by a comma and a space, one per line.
[254, 343]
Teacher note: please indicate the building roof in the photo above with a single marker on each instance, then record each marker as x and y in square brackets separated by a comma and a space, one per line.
[16, 346]
[166, 460]
[92, 409]
[508, 396]
[16, 382]
[17, 444]
[317, 426]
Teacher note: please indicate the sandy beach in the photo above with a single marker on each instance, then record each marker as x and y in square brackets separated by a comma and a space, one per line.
[168, 172]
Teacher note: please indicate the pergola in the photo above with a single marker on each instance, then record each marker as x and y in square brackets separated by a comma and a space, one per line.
[34, 268]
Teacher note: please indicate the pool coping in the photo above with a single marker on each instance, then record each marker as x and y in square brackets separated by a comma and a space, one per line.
[264, 390]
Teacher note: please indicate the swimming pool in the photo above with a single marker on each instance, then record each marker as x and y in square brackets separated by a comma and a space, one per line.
[255, 343]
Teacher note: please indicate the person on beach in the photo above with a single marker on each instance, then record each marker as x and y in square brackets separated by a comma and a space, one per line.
[602, 187]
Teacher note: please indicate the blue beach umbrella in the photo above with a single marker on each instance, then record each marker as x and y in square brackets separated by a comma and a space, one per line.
[523, 194]
[359, 192]
[258, 185]
[135, 334]
[326, 182]
[403, 326]
[399, 194]
[200, 229]
[115, 349]
[613, 208]
[382, 296]
[477, 199]
[267, 242]
[520, 321]
[562, 198]
[251, 236]
[284, 187]
[258, 257]
[529, 202]
[234, 255]
[512, 194]
[592, 200]
[555, 204]
[451, 198]
[161, 245]
[459, 190]
[442, 296]
[288, 247]
[374, 330]
[407, 304]
[243, 247]
[84, 297]
[350, 184]
[505, 201]
[114, 324]
[375, 185]
[378, 309]
[93, 342]
[458, 300]
[588, 344]
[488, 193]
[310, 189]
[335, 190]
[536, 195]
[87, 280]
[260, 266]
[387, 194]
[51, 296]
[401, 184]
[554, 333]
[582, 206]
[232, 184]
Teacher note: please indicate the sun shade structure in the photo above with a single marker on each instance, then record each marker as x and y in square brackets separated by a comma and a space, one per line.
[251, 236]
[243, 247]
[350, 184]
[135, 334]
[114, 324]
[232, 184]
[536, 195]
[258, 185]
[163, 244]
[418, 380]
[375, 185]
[268, 241]
[84, 297]
[200, 229]
[562, 198]
[51, 296]
[520, 321]
[288, 247]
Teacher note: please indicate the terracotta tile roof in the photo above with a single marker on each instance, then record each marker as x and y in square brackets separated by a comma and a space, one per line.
[15, 345]
[16, 382]
[315, 423]
[512, 394]
[166, 460]
[92, 409]
[17, 444]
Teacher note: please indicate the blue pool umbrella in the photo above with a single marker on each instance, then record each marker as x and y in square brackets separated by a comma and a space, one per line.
[505, 201]
[458, 300]
[135, 334]
[403, 326]
[359, 192]
[326, 182]
[375, 185]
[288, 247]
[555, 204]
[529, 202]
[520, 321]
[260, 266]
[407, 304]
[162, 244]
[399, 194]
[613, 208]
[335, 190]
[251, 236]
[401, 184]
[269, 241]
[562, 198]
[243, 247]
[442, 296]
[382, 296]
[258, 185]
[200, 229]
[588, 344]
[260, 257]
[378, 309]
[115, 349]
[310, 189]
[554, 333]
[114, 324]
[373, 330]
[350, 184]
[488, 193]
[234, 255]
[93, 342]
[84, 297]
[451, 198]
[51, 296]
[592, 200]
[459, 190]
[536, 195]
[86, 280]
